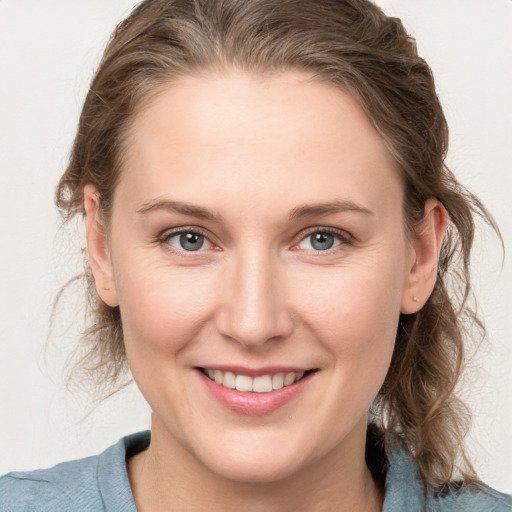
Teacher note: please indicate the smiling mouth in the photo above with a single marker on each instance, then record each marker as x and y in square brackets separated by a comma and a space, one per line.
[260, 384]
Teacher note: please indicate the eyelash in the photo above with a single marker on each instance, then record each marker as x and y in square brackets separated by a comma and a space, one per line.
[164, 239]
[343, 237]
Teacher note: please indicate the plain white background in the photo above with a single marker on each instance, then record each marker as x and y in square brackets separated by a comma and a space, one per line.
[48, 52]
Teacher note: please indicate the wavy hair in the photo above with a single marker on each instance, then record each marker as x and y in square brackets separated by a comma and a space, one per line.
[353, 45]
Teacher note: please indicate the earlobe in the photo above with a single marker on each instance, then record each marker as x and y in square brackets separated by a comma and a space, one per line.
[97, 246]
[426, 248]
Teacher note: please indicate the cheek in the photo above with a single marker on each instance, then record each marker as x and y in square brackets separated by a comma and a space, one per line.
[354, 311]
[162, 308]
[162, 313]
[350, 297]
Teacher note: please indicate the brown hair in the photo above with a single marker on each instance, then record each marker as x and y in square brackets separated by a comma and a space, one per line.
[353, 45]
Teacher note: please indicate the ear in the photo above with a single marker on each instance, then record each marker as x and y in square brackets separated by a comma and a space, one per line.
[97, 246]
[425, 250]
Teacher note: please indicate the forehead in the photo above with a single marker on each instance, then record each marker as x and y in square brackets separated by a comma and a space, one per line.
[237, 133]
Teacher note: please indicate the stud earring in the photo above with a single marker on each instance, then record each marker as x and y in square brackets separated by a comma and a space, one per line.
[415, 299]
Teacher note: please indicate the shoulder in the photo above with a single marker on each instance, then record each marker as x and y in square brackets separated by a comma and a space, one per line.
[92, 484]
[67, 486]
[478, 498]
[405, 491]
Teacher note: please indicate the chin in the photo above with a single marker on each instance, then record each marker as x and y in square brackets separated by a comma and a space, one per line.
[254, 458]
[255, 470]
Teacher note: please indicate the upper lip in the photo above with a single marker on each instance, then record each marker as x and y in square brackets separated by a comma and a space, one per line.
[256, 372]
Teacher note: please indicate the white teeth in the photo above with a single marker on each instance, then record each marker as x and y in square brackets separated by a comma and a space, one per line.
[229, 380]
[243, 383]
[261, 384]
[289, 378]
[278, 381]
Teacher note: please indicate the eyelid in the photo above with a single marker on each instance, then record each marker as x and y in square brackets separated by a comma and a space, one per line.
[165, 235]
[344, 236]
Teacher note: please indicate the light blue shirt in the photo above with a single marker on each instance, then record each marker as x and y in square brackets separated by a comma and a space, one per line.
[100, 483]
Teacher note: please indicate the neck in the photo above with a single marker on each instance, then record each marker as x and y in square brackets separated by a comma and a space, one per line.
[168, 477]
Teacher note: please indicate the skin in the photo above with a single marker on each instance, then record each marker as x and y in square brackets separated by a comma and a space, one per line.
[253, 151]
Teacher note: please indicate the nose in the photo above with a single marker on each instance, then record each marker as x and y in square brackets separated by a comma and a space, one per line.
[254, 307]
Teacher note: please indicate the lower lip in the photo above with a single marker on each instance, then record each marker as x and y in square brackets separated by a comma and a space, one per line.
[251, 403]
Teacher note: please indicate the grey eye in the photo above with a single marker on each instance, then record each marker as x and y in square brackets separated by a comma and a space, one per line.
[322, 241]
[187, 241]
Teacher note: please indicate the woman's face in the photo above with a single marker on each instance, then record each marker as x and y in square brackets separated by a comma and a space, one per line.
[257, 239]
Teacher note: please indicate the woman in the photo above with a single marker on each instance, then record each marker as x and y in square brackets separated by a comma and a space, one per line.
[271, 229]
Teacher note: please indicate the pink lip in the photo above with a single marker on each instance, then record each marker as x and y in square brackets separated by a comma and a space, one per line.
[253, 404]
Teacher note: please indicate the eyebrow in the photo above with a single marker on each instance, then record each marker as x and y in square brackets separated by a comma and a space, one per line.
[184, 208]
[340, 206]
[304, 211]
